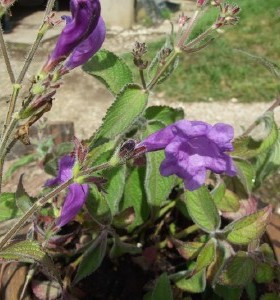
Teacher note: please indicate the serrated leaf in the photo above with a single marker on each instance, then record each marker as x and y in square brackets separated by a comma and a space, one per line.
[92, 258]
[188, 250]
[20, 162]
[162, 289]
[23, 200]
[206, 256]
[246, 174]
[202, 209]
[135, 196]
[264, 273]
[115, 187]
[247, 147]
[29, 252]
[8, 207]
[130, 103]
[238, 271]
[157, 187]
[110, 69]
[195, 284]
[164, 114]
[248, 228]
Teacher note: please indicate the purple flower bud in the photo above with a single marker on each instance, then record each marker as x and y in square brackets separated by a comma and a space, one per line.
[191, 148]
[85, 17]
[86, 49]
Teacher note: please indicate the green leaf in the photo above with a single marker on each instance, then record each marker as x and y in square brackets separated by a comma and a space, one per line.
[110, 70]
[119, 248]
[30, 252]
[229, 203]
[157, 186]
[202, 209]
[248, 228]
[238, 271]
[98, 206]
[218, 192]
[246, 173]
[247, 147]
[135, 196]
[130, 103]
[188, 250]
[23, 200]
[115, 187]
[162, 289]
[270, 296]
[8, 207]
[267, 163]
[20, 162]
[206, 256]
[195, 284]
[264, 273]
[92, 258]
[164, 114]
[228, 293]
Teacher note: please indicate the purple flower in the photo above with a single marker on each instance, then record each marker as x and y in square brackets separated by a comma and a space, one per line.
[85, 50]
[77, 193]
[84, 21]
[191, 148]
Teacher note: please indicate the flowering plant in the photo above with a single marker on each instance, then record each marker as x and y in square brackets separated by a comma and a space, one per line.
[118, 194]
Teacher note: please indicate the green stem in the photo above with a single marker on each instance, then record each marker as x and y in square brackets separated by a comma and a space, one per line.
[41, 202]
[16, 89]
[161, 71]
[6, 56]
[199, 38]
[166, 208]
[1, 173]
[6, 137]
[34, 208]
[275, 104]
[187, 32]
[185, 232]
[143, 81]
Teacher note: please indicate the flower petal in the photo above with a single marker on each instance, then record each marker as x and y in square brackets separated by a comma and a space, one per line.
[74, 201]
[84, 51]
[66, 164]
[222, 135]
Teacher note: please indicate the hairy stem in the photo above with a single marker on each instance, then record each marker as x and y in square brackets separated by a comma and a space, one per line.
[41, 202]
[187, 231]
[187, 32]
[16, 89]
[161, 71]
[6, 56]
[1, 173]
[142, 79]
[34, 208]
[275, 104]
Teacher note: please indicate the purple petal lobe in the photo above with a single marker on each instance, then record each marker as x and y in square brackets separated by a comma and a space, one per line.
[73, 202]
[85, 50]
[85, 17]
[192, 148]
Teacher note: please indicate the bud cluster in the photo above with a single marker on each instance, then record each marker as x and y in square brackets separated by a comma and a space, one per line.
[138, 52]
[164, 53]
[228, 14]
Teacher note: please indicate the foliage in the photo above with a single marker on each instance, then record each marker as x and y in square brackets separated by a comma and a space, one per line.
[207, 240]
